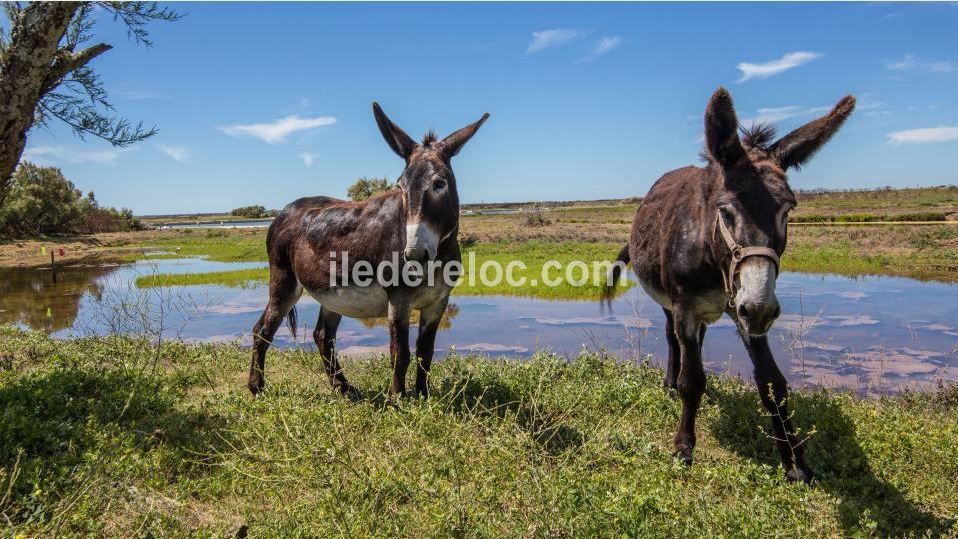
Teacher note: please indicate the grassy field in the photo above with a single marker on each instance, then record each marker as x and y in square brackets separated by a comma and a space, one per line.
[589, 233]
[534, 254]
[114, 437]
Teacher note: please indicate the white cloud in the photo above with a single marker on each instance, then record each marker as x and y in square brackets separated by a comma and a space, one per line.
[775, 67]
[604, 45]
[924, 135]
[910, 62]
[553, 38]
[308, 158]
[61, 154]
[778, 114]
[277, 131]
[176, 153]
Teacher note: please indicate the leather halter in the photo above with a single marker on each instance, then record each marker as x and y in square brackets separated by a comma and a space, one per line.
[740, 253]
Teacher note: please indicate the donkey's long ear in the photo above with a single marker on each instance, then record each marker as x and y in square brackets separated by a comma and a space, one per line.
[397, 139]
[797, 147]
[721, 129]
[452, 143]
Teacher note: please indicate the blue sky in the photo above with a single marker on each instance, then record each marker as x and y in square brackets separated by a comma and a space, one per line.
[264, 103]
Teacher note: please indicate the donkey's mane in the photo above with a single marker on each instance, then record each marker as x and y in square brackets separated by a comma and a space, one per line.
[429, 138]
[758, 136]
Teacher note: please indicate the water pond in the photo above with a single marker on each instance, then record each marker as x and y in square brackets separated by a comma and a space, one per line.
[870, 335]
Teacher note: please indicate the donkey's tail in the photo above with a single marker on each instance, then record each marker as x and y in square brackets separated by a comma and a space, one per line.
[612, 279]
[291, 320]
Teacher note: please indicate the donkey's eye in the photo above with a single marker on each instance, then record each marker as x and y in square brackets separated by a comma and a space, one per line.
[727, 217]
[438, 184]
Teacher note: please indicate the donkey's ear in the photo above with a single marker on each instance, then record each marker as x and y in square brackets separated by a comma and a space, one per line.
[397, 139]
[452, 143]
[721, 129]
[797, 147]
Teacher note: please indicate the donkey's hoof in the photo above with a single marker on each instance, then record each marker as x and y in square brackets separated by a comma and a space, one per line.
[256, 385]
[350, 392]
[683, 452]
[800, 473]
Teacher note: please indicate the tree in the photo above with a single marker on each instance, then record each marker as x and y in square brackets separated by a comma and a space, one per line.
[251, 212]
[44, 73]
[43, 201]
[367, 187]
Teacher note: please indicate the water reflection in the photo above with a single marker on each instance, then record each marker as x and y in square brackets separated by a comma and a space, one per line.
[42, 301]
[869, 335]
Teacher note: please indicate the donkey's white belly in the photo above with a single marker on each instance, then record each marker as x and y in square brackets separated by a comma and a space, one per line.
[354, 301]
[708, 308]
[372, 301]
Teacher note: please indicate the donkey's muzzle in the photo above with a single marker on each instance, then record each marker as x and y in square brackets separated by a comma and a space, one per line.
[415, 254]
[757, 318]
[421, 242]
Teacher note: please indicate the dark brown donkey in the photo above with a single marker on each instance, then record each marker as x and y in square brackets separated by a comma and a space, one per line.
[707, 241]
[417, 221]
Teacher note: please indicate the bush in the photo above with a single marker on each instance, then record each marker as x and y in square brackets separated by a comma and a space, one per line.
[252, 212]
[367, 187]
[537, 216]
[42, 201]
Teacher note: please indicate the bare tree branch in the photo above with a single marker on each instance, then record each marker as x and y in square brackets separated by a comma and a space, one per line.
[67, 62]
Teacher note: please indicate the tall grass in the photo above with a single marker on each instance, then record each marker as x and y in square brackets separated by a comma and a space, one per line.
[90, 445]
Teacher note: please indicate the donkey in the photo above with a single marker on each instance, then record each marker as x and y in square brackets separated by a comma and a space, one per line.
[707, 241]
[418, 219]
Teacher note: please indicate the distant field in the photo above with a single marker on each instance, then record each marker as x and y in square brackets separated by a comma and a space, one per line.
[925, 251]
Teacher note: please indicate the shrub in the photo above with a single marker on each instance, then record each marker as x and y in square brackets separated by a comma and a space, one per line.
[42, 201]
[367, 187]
[252, 212]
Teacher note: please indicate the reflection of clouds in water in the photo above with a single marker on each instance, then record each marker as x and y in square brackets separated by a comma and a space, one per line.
[934, 327]
[853, 320]
[629, 321]
[852, 295]
[823, 346]
[798, 322]
[364, 350]
[486, 347]
[232, 308]
[874, 367]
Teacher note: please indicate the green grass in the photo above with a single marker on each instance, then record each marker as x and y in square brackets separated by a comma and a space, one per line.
[216, 245]
[533, 254]
[111, 437]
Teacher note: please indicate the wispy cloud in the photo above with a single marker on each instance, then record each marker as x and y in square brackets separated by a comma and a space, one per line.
[279, 130]
[308, 158]
[554, 37]
[910, 62]
[924, 135]
[62, 154]
[176, 153]
[778, 114]
[604, 45]
[775, 67]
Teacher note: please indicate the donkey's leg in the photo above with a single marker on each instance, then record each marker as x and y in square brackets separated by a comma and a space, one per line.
[429, 319]
[672, 370]
[691, 380]
[773, 390]
[284, 290]
[399, 344]
[325, 337]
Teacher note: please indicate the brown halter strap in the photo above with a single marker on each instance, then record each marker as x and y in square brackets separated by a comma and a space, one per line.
[740, 253]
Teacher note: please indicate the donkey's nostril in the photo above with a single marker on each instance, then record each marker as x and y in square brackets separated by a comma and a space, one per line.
[777, 312]
[742, 311]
